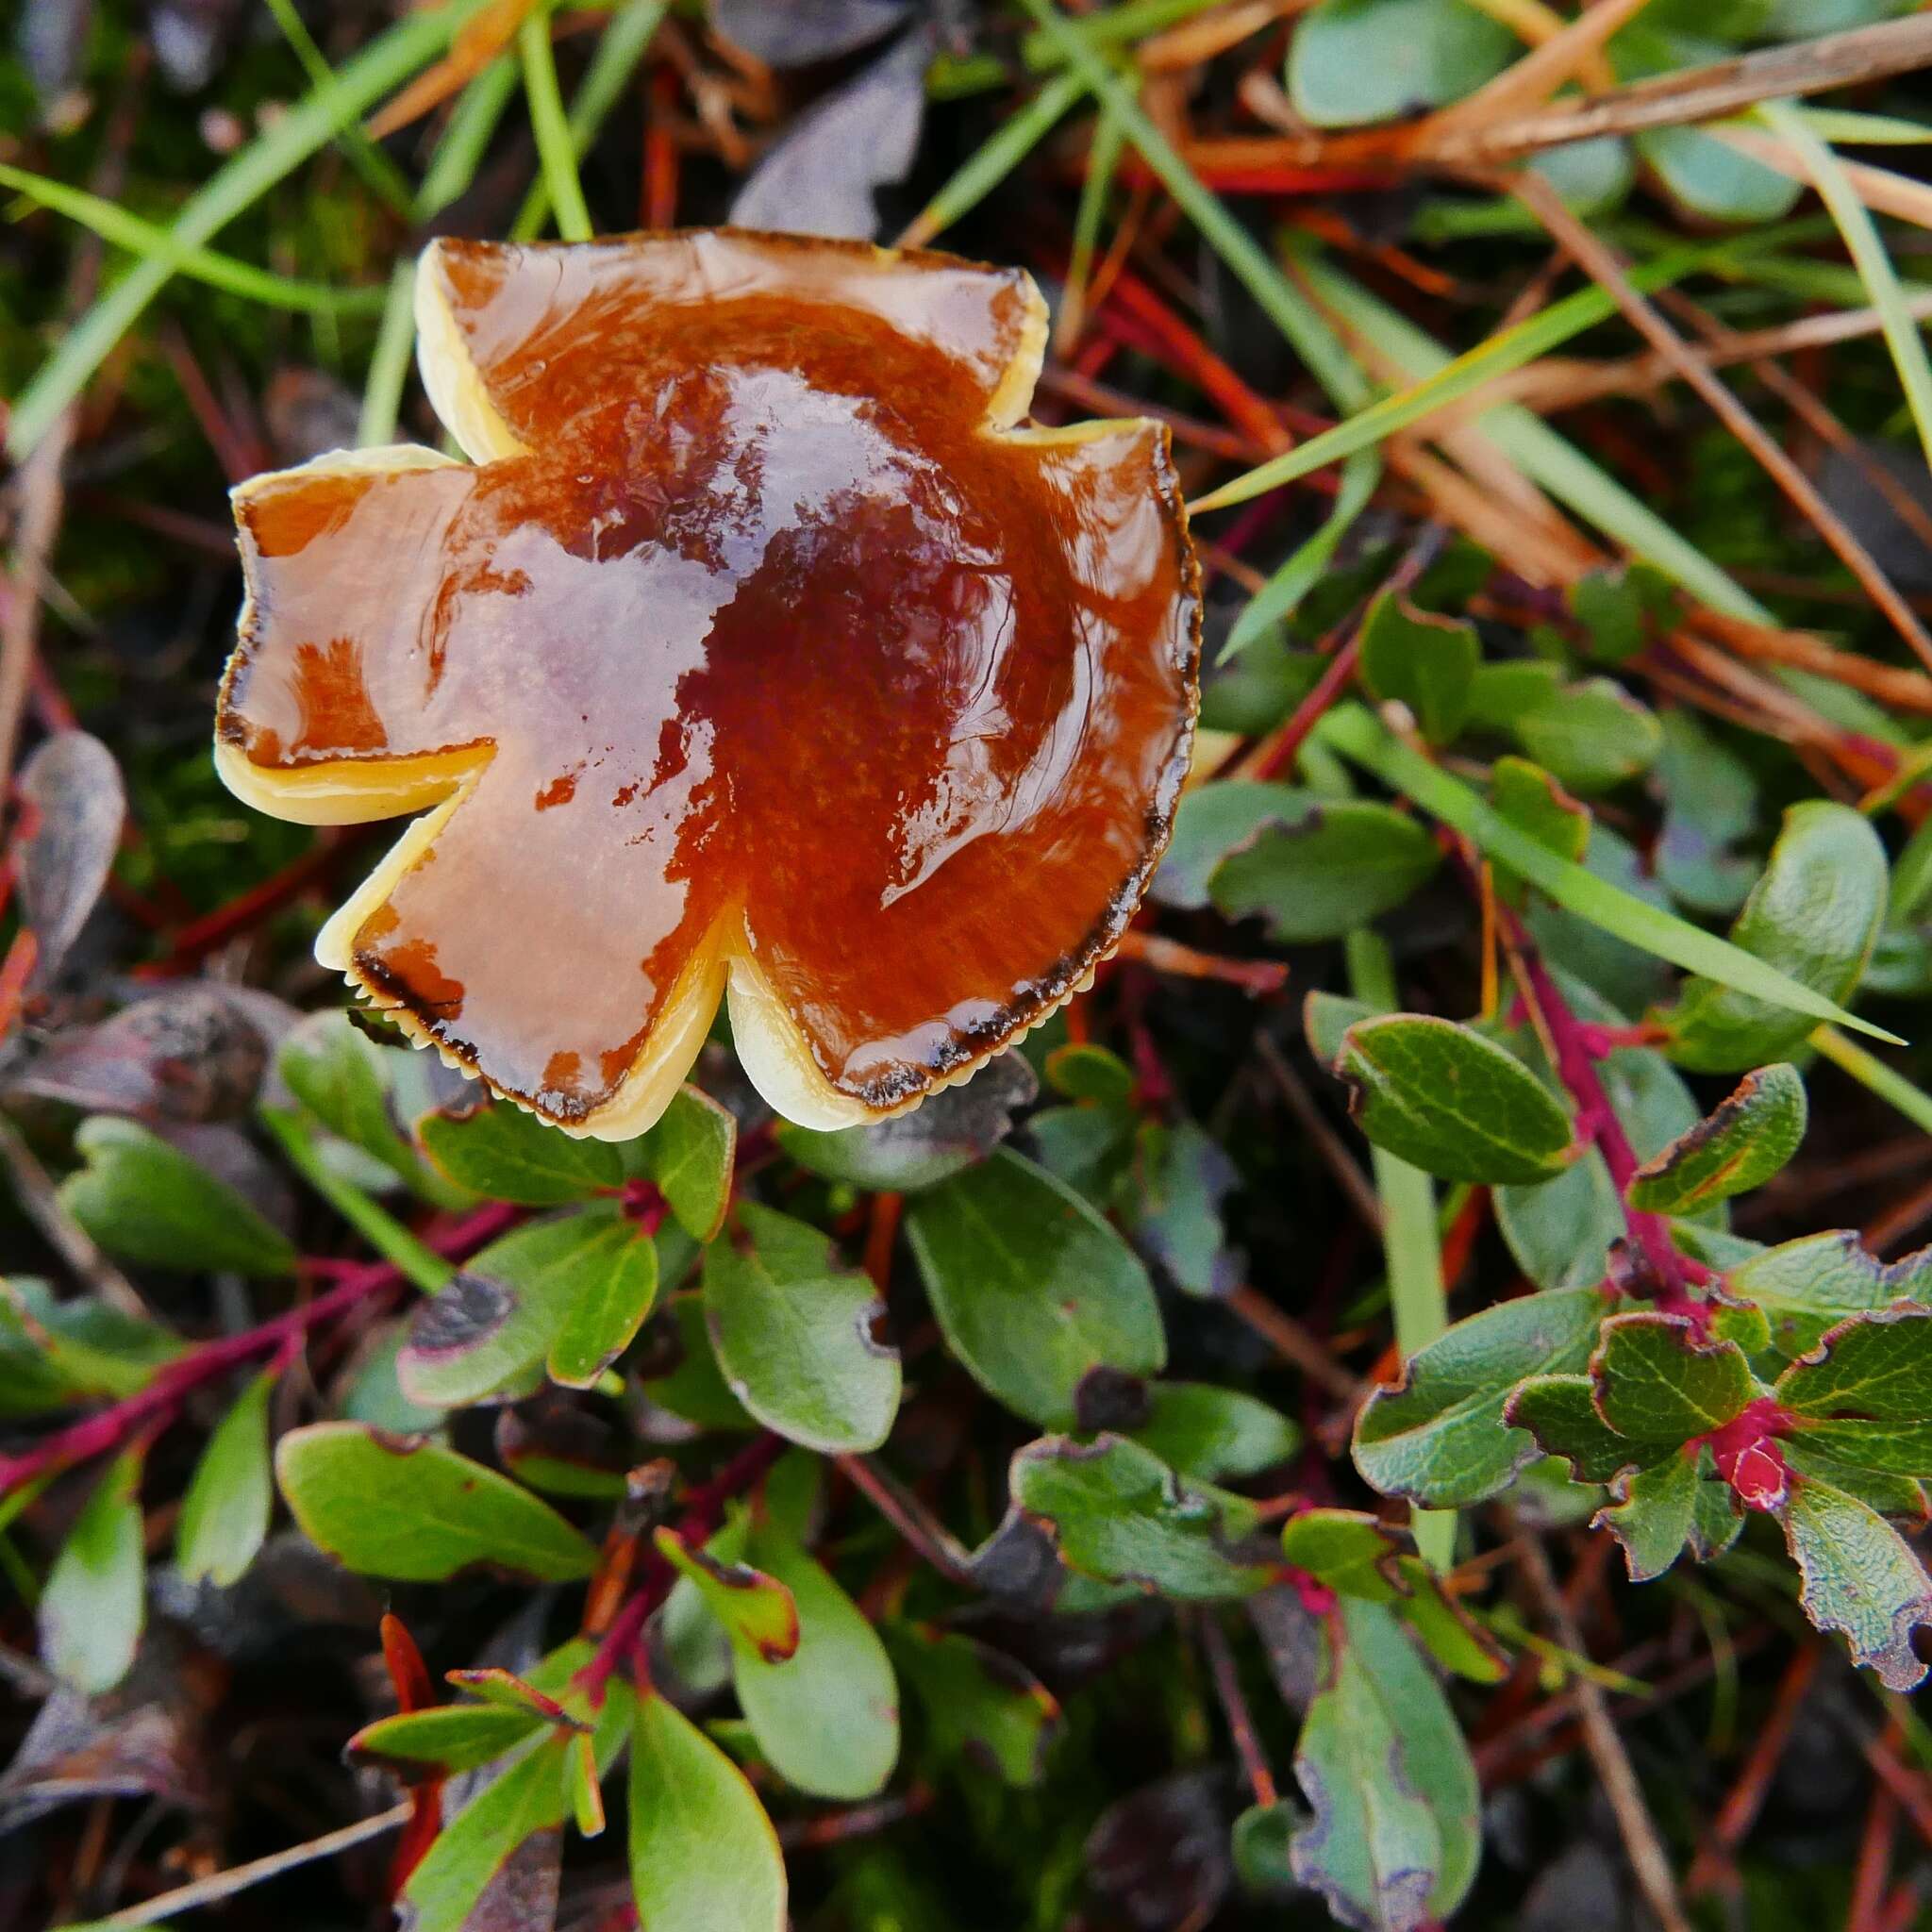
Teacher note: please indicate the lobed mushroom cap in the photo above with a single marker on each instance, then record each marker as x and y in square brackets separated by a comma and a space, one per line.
[761, 652]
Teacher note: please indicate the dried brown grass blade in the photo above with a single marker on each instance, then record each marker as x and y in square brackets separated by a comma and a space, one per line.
[1575, 54]
[1602, 265]
[471, 52]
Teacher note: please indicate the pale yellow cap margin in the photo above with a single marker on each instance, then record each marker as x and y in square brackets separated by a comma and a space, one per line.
[776, 1058]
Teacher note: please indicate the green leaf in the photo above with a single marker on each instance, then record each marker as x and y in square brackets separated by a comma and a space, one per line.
[980, 1705]
[470, 1854]
[1444, 1099]
[1860, 1578]
[417, 1512]
[1416, 659]
[1212, 1433]
[607, 1304]
[1439, 1437]
[1342, 863]
[510, 1155]
[1737, 1148]
[828, 1719]
[512, 1301]
[690, 1155]
[225, 1512]
[1393, 1842]
[1215, 820]
[55, 1352]
[703, 1855]
[1084, 1072]
[1354, 733]
[146, 1201]
[1356, 62]
[1326, 1017]
[1560, 1412]
[451, 1737]
[340, 1075]
[756, 1611]
[952, 1130]
[1032, 1289]
[1618, 610]
[1349, 1550]
[1807, 1285]
[1181, 1175]
[1594, 736]
[1814, 916]
[530, 1797]
[1532, 801]
[1446, 1630]
[1658, 1382]
[1560, 1231]
[1652, 1514]
[1865, 1394]
[794, 1334]
[1713, 179]
[1710, 806]
[1900, 1496]
[1119, 1514]
[91, 1611]
[694, 1390]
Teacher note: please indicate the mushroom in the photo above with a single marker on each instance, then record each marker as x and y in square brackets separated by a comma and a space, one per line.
[762, 650]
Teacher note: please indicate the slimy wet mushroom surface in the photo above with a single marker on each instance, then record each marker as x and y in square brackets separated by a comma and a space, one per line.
[761, 650]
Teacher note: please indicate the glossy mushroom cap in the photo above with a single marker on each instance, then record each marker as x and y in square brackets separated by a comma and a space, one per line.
[759, 648]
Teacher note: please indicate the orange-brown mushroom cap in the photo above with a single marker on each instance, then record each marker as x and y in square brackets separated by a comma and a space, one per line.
[760, 648]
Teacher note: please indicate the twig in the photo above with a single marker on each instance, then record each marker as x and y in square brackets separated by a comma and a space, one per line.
[1334, 1151]
[1234, 1705]
[1293, 1341]
[922, 1531]
[208, 1891]
[34, 1187]
[1642, 1844]
[704, 1511]
[1746, 1798]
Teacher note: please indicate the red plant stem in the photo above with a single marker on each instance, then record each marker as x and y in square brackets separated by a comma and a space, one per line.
[704, 1511]
[1597, 1121]
[109, 1429]
[196, 941]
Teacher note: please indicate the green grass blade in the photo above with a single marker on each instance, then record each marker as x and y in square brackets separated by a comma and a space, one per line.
[383, 65]
[1410, 1245]
[1873, 1074]
[466, 138]
[622, 45]
[1358, 735]
[388, 364]
[375, 168]
[1511, 348]
[1278, 597]
[1112, 27]
[1103, 164]
[1292, 312]
[415, 1262]
[1009, 144]
[1869, 258]
[114, 225]
[554, 152]
[1543, 455]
